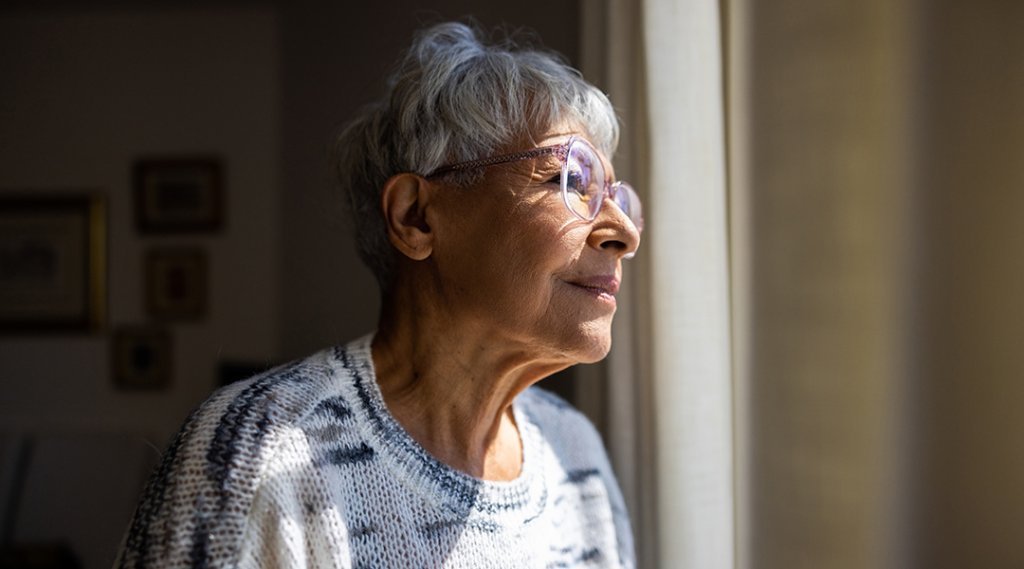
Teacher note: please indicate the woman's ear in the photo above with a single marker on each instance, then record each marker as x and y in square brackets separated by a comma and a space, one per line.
[404, 200]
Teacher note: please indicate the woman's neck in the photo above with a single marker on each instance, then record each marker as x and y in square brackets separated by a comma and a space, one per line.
[451, 386]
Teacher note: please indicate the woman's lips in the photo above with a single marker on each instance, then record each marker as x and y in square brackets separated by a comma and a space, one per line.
[601, 286]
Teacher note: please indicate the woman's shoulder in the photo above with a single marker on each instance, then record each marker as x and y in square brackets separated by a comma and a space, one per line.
[276, 397]
[245, 416]
[248, 412]
[204, 486]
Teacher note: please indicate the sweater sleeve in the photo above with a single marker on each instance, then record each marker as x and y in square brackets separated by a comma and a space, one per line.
[273, 538]
[187, 514]
[195, 510]
[291, 524]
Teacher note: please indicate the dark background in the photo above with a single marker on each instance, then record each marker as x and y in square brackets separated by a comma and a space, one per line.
[89, 88]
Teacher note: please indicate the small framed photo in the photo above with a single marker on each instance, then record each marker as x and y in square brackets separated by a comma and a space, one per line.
[178, 195]
[176, 283]
[52, 262]
[141, 358]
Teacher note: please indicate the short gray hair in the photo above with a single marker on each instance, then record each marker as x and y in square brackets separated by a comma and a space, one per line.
[454, 98]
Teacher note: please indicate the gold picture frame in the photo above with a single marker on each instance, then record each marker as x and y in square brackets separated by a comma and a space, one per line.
[53, 262]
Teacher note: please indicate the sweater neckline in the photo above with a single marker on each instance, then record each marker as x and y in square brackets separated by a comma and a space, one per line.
[454, 491]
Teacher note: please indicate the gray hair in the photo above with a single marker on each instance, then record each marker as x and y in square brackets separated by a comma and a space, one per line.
[454, 98]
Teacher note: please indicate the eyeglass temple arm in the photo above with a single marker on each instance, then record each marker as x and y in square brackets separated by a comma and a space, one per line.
[503, 159]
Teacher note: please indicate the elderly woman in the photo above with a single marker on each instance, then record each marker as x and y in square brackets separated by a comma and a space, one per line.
[484, 202]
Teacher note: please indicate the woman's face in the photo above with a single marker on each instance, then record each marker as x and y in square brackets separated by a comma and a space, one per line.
[513, 262]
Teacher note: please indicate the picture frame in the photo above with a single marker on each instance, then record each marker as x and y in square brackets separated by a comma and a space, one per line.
[178, 195]
[141, 358]
[176, 283]
[52, 262]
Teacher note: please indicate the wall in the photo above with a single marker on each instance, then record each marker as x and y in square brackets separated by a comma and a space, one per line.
[145, 91]
[85, 93]
[88, 93]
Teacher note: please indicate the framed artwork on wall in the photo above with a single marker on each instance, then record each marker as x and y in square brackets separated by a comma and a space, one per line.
[176, 287]
[141, 358]
[52, 262]
[178, 195]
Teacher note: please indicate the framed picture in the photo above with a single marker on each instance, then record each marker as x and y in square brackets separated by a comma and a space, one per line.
[52, 262]
[141, 358]
[178, 195]
[176, 283]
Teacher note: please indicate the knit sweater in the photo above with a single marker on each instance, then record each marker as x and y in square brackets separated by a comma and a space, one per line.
[304, 466]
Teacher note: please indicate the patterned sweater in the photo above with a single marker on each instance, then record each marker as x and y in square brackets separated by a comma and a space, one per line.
[304, 467]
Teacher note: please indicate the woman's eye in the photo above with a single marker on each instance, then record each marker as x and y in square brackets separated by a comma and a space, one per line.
[556, 179]
[576, 183]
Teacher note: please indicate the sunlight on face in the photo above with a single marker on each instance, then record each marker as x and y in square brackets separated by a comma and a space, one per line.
[521, 267]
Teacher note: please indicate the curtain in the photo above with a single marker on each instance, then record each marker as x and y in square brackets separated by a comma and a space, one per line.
[817, 360]
[670, 386]
[689, 283]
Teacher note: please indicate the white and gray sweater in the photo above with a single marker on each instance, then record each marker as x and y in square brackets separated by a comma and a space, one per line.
[304, 467]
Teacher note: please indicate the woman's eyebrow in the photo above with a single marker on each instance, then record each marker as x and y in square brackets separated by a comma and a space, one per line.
[545, 172]
[548, 162]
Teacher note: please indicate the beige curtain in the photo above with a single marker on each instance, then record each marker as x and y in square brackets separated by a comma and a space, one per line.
[759, 395]
[689, 284]
[823, 356]
[670, 404]
[821, 180]
[876, 191]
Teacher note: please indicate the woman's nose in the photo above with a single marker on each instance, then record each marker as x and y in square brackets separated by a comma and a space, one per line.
[614, 231]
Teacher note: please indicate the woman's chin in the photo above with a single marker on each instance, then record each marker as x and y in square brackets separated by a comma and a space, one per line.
[592, 346]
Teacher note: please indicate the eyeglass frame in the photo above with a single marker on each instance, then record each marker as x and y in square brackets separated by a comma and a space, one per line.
[609, 190]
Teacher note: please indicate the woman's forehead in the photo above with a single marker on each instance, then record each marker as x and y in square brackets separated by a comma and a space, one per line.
[559, 133]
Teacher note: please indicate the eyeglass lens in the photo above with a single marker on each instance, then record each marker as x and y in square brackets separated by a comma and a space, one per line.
[584, 182]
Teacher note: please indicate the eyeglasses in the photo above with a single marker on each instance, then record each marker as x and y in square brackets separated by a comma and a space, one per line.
[584, 179]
